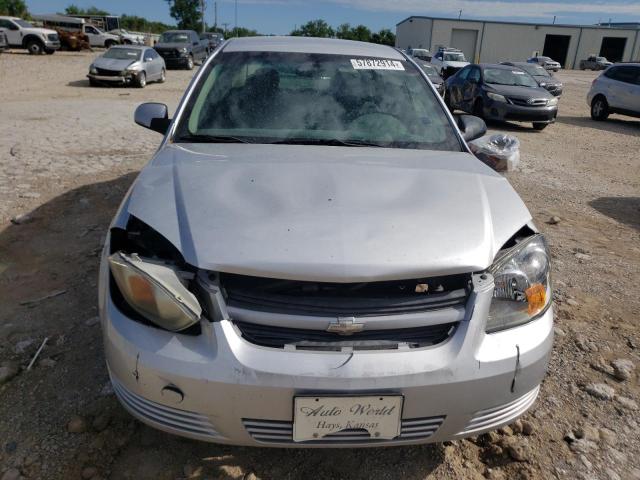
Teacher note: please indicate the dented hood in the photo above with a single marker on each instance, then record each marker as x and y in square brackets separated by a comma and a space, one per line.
[339, 214]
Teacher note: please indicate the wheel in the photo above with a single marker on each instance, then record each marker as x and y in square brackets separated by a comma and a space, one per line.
[35, 47]
[126, 42]
[141, 80]
[599, 108]
[190, 62]
[109, 43]
[163, 76]
[539, 125]
[478, 108]
[49, 51]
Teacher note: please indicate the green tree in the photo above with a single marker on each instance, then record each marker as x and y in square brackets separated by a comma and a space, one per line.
[361, 33]
[14, 8]
[344, 31]
[314, 28]
[75, 10]
[141, 24]
[242, 32]
[187, 13]
[385, 37]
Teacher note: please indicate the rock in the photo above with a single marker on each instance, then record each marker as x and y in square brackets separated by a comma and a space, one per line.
[32, 459]
[89, 472]
[47, 362]
[11, 447]
[191, 471]
[588, 465]
[250, 476]
[23, 345]
[571, 302]
[587, 432]
[495, 451]
[92, 321]
[554, 220]
[506, 430]
[624, 402]
[493, 474]
[29, 195]
[611, 475]
[623, 369]
[601, 391]
[607, 436]
[582, 446]
[527, 427]
[491, 437]
[558, 332]
[516, 427]
[8, 371]
[21, 219]
[582, 256]
[100, 422]
[11, 474]
[77, 424]
[518, 452]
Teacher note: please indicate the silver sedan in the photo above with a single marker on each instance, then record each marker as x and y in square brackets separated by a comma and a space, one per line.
[314, 258]
[128, 65]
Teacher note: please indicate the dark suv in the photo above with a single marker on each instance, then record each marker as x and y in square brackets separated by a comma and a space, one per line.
[181, 48]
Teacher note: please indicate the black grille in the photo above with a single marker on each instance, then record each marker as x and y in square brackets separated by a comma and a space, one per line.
[108, 73]
[345, 299]
[168, 53]
[524, 102]
[278, 337]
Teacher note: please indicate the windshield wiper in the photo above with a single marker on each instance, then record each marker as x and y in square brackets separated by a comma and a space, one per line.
[211, 139]
[330, 142]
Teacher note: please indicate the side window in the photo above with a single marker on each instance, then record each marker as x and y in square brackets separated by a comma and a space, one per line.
[439, 55]
[7, 24]
[464, 73]
[611, 73]
[474, 75]
[194, 38]
[90, 29]
[625, 74]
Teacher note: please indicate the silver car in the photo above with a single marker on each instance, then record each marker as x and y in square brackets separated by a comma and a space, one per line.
[128, 65]
[314, 258]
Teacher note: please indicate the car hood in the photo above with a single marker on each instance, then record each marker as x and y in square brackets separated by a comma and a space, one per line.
[520, 92]
[339, 214]
[112, 63]
[167, 46]
[37, 30]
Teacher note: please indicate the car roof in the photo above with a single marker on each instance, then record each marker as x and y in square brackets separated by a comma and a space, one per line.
[495, 65]
[518, 64]
[130, 47]
[329, 46]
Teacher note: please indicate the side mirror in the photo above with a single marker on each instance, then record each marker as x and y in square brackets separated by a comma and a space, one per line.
[154, 116]
[471, 127]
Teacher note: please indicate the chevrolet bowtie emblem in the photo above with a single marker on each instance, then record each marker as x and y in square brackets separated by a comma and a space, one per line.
[345, 326]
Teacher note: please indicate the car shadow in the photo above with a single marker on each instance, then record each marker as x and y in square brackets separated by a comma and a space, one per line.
[48, 289]
[622, 209]
[79, 83]
[614, 124]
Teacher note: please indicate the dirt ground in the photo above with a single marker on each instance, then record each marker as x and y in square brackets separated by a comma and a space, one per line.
[68, 153]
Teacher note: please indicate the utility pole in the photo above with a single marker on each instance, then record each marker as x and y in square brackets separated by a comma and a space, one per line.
[215, 15]
[554, 20]
[225, 25]
[236, 19]
[459, 14]
[202, 14]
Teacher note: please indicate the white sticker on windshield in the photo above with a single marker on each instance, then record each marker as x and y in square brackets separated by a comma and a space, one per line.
[376, 64]
[516, 72]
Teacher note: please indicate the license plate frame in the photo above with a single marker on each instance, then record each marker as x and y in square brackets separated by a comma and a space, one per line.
[316, 416]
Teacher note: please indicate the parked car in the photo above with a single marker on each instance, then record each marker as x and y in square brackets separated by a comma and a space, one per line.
[541, 75]
[22, 34]
[448, 61]
[128, 65]
[4, 42]
[433, 75]
[421, 54]
[78, 27]
[503, 93]
[181, 48]
[594, 62]
[616, 90]
[545, 62]
[212, 40]
[128, 38]
[308, 262]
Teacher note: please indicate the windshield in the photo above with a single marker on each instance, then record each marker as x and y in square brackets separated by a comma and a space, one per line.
[300, 98]
[174, 37]
[23, 23]
[123, 54]
[454, 57]
[429, 70]
[601, 59]
[501, 76]
[533, 69]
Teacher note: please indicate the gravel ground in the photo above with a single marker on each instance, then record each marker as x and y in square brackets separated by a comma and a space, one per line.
[68, 153]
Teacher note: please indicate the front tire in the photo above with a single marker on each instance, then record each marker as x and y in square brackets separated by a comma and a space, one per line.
[539, 126]
[108, 44]
[35, 47]
[141, 80]
[599, 108]
[190, 62]
[163, 76]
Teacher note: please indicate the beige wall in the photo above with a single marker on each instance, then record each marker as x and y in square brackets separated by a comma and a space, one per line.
[503, 41]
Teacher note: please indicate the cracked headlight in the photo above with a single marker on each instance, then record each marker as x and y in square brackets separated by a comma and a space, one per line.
[156, 291]
[522, 284]
[496, 97]
[93, 70]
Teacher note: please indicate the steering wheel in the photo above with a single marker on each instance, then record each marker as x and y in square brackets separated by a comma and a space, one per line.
[396, 124]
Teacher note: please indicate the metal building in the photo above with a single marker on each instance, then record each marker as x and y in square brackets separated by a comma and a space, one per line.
[493, 41]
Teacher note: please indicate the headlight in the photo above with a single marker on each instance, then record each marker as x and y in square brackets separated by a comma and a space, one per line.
[183, 50]
[135, 68]
[496, 97]
[543, 84]
[522, 285]
[553, 102]
[93, 70]
[155, 291]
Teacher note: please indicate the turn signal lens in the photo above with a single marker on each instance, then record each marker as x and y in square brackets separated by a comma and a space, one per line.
[536, 298]
[156, 291]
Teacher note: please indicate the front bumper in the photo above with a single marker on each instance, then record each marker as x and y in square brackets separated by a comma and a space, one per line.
[508, 112]
[555, 90]
[176, 61]
[119, 79]
[52, 45]
[235, 392]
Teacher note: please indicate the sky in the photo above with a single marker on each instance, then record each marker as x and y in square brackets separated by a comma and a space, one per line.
[282, 16]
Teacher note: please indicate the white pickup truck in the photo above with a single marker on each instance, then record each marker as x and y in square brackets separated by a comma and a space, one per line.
[21, 34]
[448, 61]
